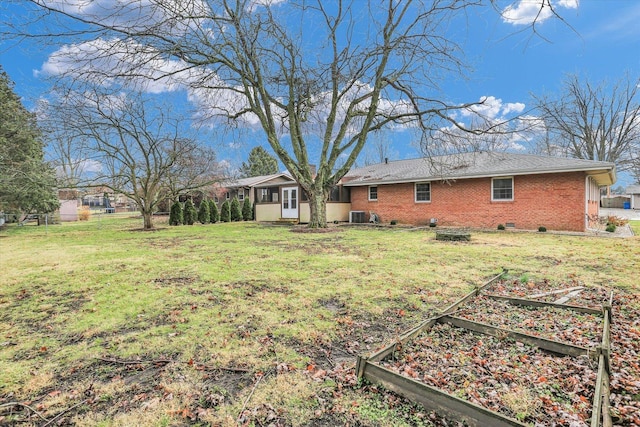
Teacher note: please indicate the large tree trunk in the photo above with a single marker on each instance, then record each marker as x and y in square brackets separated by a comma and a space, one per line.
[147, 216]
[318, 208]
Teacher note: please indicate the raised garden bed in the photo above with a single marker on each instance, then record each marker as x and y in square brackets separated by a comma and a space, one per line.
[453, 235]
[503, 361]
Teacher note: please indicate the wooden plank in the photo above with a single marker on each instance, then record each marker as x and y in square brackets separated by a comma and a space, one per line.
[427, 324]
[474, 293]
[543, 343]
[568, 296]
[536, 303]
[557, 291]
[389, 349]
[606, 347]
[596, 408]
[433, 399]
[606, 402]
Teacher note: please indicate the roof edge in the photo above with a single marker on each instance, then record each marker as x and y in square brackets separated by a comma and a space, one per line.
[610, 174]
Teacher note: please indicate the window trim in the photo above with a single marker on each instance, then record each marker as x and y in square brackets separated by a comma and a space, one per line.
[369, 193]
[415, 192]
[493, 199]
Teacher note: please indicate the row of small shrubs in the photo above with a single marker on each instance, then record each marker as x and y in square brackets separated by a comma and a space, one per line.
[208, 212]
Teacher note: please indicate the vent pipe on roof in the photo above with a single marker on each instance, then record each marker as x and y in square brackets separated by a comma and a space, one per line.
[386, 160]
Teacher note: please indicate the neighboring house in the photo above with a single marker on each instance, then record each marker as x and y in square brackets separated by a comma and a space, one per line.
[634, 193]
[279, 197]
[110, 202]
[483, 190]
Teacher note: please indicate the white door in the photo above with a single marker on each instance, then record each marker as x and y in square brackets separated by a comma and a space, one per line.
[290, 202]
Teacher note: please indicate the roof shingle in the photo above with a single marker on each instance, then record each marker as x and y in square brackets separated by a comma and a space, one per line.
[473, 165]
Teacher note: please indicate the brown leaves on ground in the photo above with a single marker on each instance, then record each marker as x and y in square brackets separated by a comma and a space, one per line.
[520, 381]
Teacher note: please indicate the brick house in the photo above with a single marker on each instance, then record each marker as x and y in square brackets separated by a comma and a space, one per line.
[483, 190]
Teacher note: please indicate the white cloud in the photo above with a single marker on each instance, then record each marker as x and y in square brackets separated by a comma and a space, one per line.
[253, 5]
[513, 107]
[526, 12]
[89, 166]
[99, 60]
[167, 16]
[492, 108]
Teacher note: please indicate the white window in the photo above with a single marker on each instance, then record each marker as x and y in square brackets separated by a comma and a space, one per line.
[241, 195]
[502, 189]
[423, 192]
[373, 193]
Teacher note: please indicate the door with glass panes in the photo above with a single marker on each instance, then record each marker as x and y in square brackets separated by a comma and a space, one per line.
[290, 202]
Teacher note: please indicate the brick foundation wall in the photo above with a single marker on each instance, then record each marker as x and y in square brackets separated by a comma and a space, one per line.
[555, 201]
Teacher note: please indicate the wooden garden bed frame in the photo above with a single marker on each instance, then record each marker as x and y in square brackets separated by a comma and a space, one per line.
[453, 407]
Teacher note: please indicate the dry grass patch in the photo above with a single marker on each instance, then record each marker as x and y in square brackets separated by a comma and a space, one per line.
[245, 297]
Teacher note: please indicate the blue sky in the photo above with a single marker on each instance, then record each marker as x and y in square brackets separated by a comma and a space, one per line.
[600, 40]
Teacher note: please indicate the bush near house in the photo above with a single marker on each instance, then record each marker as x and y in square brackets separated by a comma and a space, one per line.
[176, 214]
[84, 214]
[225, 212]
[204, 216]
[214, 213]
[236, 212]
[247, 210]
[190, 214]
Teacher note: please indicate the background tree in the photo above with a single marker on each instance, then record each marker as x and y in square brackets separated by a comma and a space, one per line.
[378, 149]
[594, 122]
[260, 162]
[316, 88]
[225, 212]
[214, 214]
[204, 215]
[142, 150]
[635, 168]
[176, 215]
[189, 213]
[236, 211]
[27, 182]
[69, 156]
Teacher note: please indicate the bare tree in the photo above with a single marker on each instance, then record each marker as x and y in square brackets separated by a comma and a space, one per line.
[140, 147]
[635, 166]
[595, 122]
[378, 149]
[69, 155]
[316, 76]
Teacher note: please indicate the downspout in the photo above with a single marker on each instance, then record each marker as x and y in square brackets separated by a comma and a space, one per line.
[586, 203]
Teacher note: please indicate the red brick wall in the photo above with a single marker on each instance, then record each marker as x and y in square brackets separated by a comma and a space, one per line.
[555, 201]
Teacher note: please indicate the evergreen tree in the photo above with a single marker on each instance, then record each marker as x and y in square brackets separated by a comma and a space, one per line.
[260, 162]
[225, 212]
[27, 182]
[175, 216]
[253, 211]
[236, 211]
[214, 214]
[247, 210]
[190, 213]
[204, 216]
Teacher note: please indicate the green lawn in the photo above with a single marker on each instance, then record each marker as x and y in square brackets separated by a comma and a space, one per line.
[235, 323]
